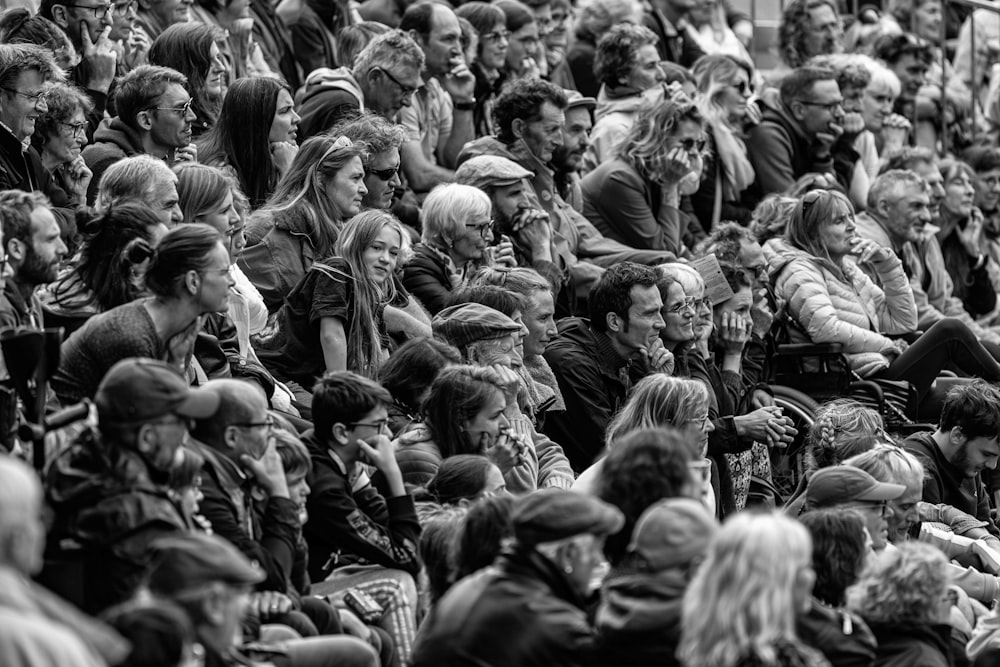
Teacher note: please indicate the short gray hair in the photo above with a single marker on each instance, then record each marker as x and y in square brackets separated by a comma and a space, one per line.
[891, 183]
[131, 179]
[447, 209]
[389, 51]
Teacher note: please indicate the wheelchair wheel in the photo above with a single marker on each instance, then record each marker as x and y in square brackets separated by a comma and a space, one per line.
[786, 466]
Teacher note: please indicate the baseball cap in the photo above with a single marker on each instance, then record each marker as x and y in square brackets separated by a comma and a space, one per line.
[551, 515]
[845, 484]
[672, 533]
[467, 323]
[485, 171]
[138, 390]
[188, 561]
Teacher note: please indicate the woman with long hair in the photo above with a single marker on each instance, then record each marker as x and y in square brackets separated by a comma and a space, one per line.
[740, 609]
[634, 197]
[332, 320]
[193, 50]
[408, 374]
[725, 85]
[462, 414]
[815, 270]
[304, 216]
[188, 276]
[254, 136]
[59, 137]
[109, 269]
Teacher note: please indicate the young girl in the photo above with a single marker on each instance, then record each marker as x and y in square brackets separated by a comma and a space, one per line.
[332, 320]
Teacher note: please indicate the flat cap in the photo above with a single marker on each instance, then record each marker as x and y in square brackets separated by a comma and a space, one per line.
[551, 515]
[485, 171]
[136, 390]
[576, 99]
[467, 323]
[190, 561]
[672, 533]
[841, 484]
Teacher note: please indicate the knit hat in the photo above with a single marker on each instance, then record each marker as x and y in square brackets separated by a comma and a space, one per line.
[841, 484]
[189, 561]
[552, 514]
[672, 533]
[468, 323]
[136, 390]
[490, 171]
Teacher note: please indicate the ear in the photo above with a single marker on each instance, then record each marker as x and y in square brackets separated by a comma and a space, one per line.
[192, 281]
[16, 250]
[60, 16]
[231, 437]
[144, 119]
[339, 434]
[213, 607]
[795, 108]
[416, 37]
[517, 127]
[957, 436]
[145, 439]
[614, 322]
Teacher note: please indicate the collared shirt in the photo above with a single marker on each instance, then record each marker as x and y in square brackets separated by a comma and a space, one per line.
[429, 118]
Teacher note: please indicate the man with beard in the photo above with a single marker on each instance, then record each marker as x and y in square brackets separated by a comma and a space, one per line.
[966, 442]
[541, 128]
[154, 118]
[809, 28]
[34, 250]
[899, 217]
[108, 491]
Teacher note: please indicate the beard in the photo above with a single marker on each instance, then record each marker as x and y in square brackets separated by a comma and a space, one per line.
[36, 271]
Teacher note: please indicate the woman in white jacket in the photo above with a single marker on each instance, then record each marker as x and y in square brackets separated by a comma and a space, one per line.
[814, 270]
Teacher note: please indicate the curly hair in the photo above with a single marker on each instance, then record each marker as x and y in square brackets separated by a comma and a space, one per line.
[902, 585]
[769, 219]
[850, 70]
[372, 130]
[726, 242]
[892, 48]
[62, 100]
[643, 467]
[647, 145]
[794, 35]
[617, 51]
[523, 99]
[839, 551]
[742, 601]
[974, 408]
[841, 429]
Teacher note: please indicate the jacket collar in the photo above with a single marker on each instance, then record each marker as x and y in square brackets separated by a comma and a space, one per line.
[606, 353]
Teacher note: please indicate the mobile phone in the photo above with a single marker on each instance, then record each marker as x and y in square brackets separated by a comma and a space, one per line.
[364, 605]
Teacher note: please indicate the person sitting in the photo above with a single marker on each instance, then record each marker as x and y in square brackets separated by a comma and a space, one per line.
[635, 197]
[160, 633]
[382, 175]
[833, 301]
[154, 117]
[638, 621]
[187, 277]
[627, 65]
[254, 135]
[408, 375]
[357, 537]
[809, 29]
[846, 487]
[59, 137]
[597, 361]
[955, 454]
[464, 479]
[116, 476]
[494, 41]
[302, 220]
[536, 590]
[141, 179]
[903, 597]
[332, 320]
[457, 227]
[840, 549]
[109, 269]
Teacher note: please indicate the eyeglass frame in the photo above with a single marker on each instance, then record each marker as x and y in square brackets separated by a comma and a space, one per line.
[79, 129]
[829, 106]
[383, 174]
[404, 89]
[380, 425]
[127, 6]
[483, 229]
[267, 423]
[689, 303]
[40, 96]
[183, 109]
[108, 8]
[692, 145]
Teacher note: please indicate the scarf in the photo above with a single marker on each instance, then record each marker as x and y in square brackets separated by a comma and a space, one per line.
[737, 173]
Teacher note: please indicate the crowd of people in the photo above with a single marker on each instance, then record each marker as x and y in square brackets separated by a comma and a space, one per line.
[419, 334]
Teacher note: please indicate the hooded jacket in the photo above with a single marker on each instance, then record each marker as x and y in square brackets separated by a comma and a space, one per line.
[328, 97]
[843, 307]
[113, 141]
[639, 620]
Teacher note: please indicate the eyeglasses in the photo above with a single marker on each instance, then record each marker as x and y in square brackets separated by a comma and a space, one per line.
[484, 230]
[79, 129]
[829, 106]
[687, 304]
[268, 424]
[384, 174]
[182, 109]
[99, 10]
[40, 96]
[403, 88]
[692, 145]
[496, 36]
[380, 425]
[218, 272]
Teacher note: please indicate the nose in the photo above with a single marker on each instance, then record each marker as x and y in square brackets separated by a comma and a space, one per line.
[395, 181]
[504, 422]
[489, 235]
[41, 104]
[659, 324]
[524, 331]
[190, 116]
[61, 249]
[176, 215]
[362, 188]
[709, 426]
[295, 119]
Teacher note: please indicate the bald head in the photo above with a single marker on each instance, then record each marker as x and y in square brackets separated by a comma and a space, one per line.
[22, 535]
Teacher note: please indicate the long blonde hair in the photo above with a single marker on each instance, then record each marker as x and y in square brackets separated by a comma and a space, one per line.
[659, 400]
[741, 601]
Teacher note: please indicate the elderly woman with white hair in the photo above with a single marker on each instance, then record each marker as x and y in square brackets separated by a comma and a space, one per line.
[457, 240]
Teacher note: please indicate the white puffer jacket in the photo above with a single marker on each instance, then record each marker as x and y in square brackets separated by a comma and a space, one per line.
[843, 307]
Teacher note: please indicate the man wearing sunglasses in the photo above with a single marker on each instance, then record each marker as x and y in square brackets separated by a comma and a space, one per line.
[154, 118]
[797, 132]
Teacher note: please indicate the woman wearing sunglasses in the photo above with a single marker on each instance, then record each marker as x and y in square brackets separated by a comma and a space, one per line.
[725, 86]
[815, 271]
[634, 198]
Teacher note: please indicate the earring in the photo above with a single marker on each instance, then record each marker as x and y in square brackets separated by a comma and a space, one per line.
[568, 569]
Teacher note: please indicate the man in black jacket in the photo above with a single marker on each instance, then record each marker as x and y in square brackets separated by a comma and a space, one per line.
[596, 361]
[357, 538]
